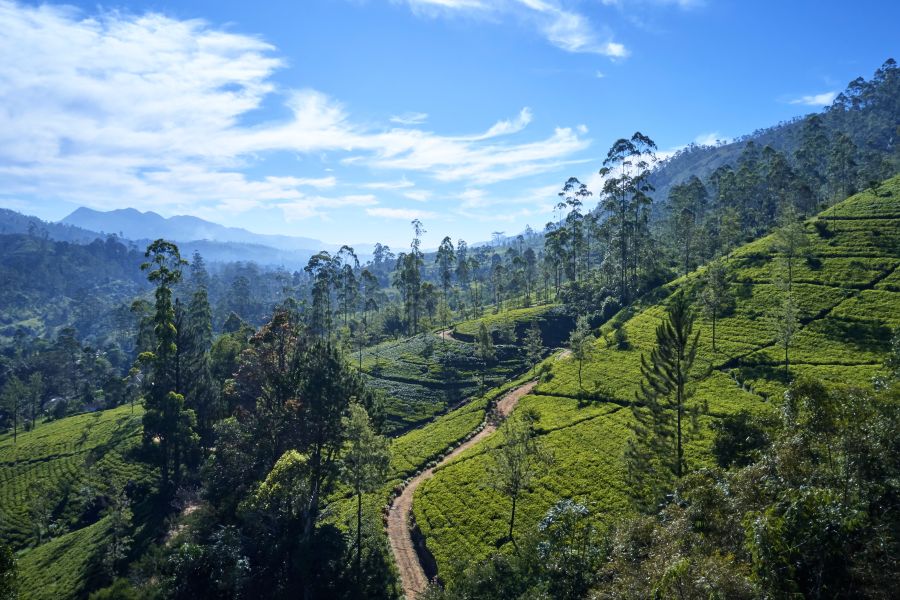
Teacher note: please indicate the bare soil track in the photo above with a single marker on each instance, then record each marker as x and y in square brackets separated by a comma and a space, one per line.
[412, 576]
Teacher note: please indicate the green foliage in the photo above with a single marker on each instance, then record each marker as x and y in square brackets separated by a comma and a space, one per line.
[9, 577]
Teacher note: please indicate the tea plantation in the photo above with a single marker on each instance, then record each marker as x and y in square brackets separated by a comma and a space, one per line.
[845, 286]
[423, 376]
[62, 469]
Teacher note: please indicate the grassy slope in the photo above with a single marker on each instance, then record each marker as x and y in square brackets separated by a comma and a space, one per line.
[58, 453]
[849, 304]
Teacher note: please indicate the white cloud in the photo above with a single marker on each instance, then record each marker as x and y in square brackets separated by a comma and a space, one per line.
[709, 139]
[600, 75]
[406, 214]
[390, 185]
[316, 182]
[449, 4]
[147, 110]
[565, 29]
[418, 195]
[314, 206]
[822, 99]
[683, 4]
[416, 118]
[507, 127]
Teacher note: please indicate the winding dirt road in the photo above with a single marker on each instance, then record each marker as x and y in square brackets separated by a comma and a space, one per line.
[412, 576]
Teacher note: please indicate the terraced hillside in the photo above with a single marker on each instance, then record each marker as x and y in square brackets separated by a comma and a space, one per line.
[62, 469]
[846, 290]
[423, 376]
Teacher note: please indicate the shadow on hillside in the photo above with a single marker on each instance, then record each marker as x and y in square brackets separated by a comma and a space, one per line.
[873, 336]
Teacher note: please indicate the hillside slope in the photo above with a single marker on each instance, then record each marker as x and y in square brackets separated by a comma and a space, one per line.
[849, 303]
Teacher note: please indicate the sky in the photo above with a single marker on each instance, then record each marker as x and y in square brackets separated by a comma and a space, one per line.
[343, 120]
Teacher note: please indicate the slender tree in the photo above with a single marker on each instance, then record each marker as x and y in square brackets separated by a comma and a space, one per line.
[714, 296]
[787, 323]
[364, 465]
[9, 573]
[14, 396]
[517, 461]
[484, 348]
[790, 242]
[534, 345]
[581, 344]
[687, 203]
[626, 199]
[168, 425]
[660, 409]
[119, 542]
[445, 259]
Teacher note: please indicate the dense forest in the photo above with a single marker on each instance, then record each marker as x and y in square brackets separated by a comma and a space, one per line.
[703, 357]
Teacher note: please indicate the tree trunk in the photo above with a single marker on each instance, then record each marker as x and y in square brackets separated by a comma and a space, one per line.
[358, 539]
[679, 399]
[512, 519]
[787, 365]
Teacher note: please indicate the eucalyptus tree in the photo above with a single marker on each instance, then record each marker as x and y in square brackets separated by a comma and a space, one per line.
[715, 296]
[445, 259]
[534, 345]
[581, 345]
[323, 270]
[408, 278]
[843, 168]
[687, 203]
[790, 243]
[347, 284]
[364, 464]
[517, 462]
[485, 351]
[811, 155]
[463, 273]
[530, 259]
[573, 195]
[626, 199]
[13, 398]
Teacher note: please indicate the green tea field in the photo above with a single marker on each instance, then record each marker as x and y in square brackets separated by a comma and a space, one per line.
[50, 480]
[847, 310]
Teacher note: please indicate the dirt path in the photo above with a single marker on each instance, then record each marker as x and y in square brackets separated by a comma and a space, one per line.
[446, 334]
[411, 574]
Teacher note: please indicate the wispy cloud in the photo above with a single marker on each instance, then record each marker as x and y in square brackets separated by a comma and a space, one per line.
[418, 195]
[389, 185]
[156, 120]
[315, 206]
[709, 139]
[406, 214]
[683, 4]
[507, 126]
[564, 28]
[822, 99]
[415, 118]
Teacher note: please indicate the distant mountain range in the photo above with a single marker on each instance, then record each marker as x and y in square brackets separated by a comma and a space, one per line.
[216, 243]
[134, 224]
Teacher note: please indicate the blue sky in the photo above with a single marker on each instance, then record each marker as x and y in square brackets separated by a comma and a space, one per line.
[344, 119]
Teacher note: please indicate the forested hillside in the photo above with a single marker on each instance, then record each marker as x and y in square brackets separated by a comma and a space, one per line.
[846, 147]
